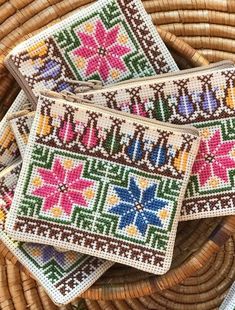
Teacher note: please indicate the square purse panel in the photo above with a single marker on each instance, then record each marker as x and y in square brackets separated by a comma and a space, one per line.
[95, 181]
[21, 127]
[110, 41]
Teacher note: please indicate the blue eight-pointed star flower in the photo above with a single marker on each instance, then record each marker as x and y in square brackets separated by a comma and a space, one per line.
[138, 207]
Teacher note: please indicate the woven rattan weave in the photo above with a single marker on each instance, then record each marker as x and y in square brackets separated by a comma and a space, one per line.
[203, 262]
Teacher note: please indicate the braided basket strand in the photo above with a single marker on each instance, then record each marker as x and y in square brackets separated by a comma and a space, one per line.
[195, 251]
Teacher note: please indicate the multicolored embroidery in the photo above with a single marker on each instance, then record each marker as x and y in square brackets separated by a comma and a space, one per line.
[214, 159]
[102, 50]
[206, 101]
[64, 275]
[102, 183]
[26, 122]
[138, 207]
[20, 127]
[61, 187]
[112, 40]
[8, 146]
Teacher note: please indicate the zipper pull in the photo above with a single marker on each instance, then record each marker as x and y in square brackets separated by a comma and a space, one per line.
[83, 86]
[66, 95]
[26, 109]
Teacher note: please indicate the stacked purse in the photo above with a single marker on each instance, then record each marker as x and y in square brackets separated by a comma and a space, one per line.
[108, 146]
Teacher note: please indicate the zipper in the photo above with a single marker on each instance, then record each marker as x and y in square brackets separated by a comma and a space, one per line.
[63, 95]
[8, 169]
[225, 64]
[82, 85]
[86, 85]
[96, 85]
[19, 114]
[177, 128]
[138, 82]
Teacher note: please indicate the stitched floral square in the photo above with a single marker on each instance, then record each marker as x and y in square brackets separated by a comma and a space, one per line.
[63, 274]
[110, 41]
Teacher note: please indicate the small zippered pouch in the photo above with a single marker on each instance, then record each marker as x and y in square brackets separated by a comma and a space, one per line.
[204, 98]
[94, 182]
[8, 146]
[111, 40]
[63, 275]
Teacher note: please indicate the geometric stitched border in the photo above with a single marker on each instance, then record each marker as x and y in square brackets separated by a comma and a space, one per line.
[20, 127]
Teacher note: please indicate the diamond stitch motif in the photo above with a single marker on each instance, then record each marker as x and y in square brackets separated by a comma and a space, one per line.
[138, 207]
[61, 187]
[108, 172]
[102, 50]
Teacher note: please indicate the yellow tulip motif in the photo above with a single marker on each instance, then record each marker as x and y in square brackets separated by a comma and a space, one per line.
[230, 99]
[180, 161]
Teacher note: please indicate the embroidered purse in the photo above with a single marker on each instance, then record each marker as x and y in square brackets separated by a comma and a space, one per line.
[21, 127]
[64, 276]
[103, 183]
[111, 40]
[205, 99]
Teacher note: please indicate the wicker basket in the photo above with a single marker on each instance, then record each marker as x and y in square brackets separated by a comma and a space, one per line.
[204, 254]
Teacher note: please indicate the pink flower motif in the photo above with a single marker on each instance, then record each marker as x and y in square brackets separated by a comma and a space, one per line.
[213, 159]
[62, 187]
[102, 51]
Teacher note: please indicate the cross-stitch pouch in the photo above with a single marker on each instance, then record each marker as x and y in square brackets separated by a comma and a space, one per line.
[21, 127]
[94, 182]
[111, 40]
[8, 147]
[63, 275]
[205, 99]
